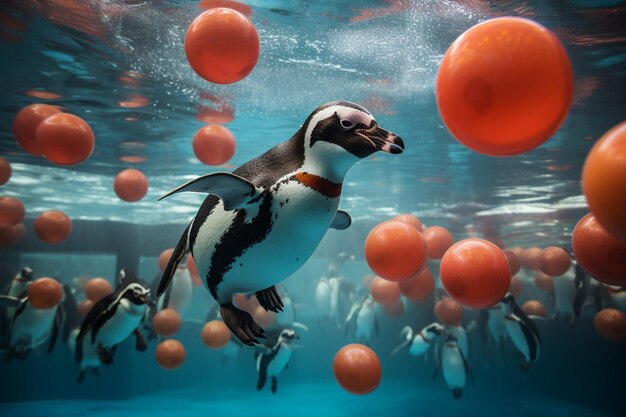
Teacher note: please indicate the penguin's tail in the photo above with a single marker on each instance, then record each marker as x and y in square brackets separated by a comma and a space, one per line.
[180, 251]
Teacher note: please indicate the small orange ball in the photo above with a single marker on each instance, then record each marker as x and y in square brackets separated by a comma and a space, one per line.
[215, 334]
[357, 369]
[240, 301]
[65, 139]
[264, 318]
[534, 308]
[130, 185]
[514, 261]
[531, 258]
[214, 145]
[11, 211]
[45, 293]
[449, 312]
[544, 282]
[26, 123]
[515, 287]
[170, 354]
[7, 236]
[611, 324]
[164, 258]
[438, 239]
[97, 288]
[166, 322]
[384, 292]
[83, 308]
[193, 270]
[555, 261]
[53, 226]
[5, 171]
[419, 286]
[411, 219]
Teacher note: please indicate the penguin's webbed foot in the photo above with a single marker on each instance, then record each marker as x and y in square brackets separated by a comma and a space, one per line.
[241, 324]
[106, 358]
[270, 300]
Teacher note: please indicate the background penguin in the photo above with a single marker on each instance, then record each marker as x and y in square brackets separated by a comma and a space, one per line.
[273, 361]
[422, 341]
[565, 293]
[363, 318]
[177, 297]
[243, 236]
[14, 288]
[461, 338]
[454, 367]
[523, 332]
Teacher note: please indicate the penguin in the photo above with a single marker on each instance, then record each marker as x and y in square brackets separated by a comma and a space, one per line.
[110, 321]
[177, 297]
[454, 367]
[461, 338]
[523, 332]
[363, 318]
[333, 292]
[15, 288]
[273, 361]
[587, 288]
[322, 297]
[565, 294]
[422, 341]
[259, 224]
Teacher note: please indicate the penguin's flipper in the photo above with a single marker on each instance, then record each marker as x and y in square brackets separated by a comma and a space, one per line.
[341, 221]
[179, 252]
[270, 300]
[436, 372]
[8, 301]
[56, 328]
[93, 320]
[140, 341]
[400, 347]
[274, 385]
[232, 189]
[262, 362]
[241, 324]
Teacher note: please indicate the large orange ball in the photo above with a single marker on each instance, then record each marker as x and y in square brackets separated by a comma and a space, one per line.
[53, 226]
[65, 139]
[475, 273]
[384, 292]
[5, 171]
[97, 288]
[531, 258]
[504, 86]
[170, 354]
[45, 293]
[357, 369]
[395, 250]
[438, 239]
[534, 308]
[215, 334]
[449, 312]
[130, 185]
[604, 181]
[222, 45]
[598, 252]
[26, 123]
[555, 261]
[166, 322]
[419, 286]
[611, 324]
[164, 258]
[514, 261]
[544, 282]
[410, 219]
[214, 145]
[11, 211]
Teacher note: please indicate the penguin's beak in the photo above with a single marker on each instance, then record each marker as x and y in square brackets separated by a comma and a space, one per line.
[382, 139]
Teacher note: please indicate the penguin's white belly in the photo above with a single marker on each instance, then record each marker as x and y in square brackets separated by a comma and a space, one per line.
[565, 293]
[461, 339]
[126, 319]
[17, 288]
[365, 323]
[419, 345]
[334, 296]
[453, 367]
[181, 291]
[32, 325]
[496, 324]
[322, 298]
[90, 353]
[516, 334]
[280, 361]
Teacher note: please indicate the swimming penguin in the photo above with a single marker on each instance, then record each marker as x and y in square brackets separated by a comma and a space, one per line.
[262, 222]
[110, 321]
[363, 318]
[275, 360]
[177, 297]
[15, 288]
[461, 338]
[523, 332]
[422, 341]
[454, 367]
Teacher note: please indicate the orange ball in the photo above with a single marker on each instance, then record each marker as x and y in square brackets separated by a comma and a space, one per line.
[130, 185]
[357, 369]
[555, 261]
[598, 252]
[438, 239]
[515, 287]
[544, 282]
[504, 86]
[475, 273]
[26, 123]
[410, 219]
[534, 308]
[384, 292]
[45, 293]
[166, 322]
[5, 171]
[53, 226]
[240, 301]
[395, 250]
[449, 312]
[170, 354]
[65, 139]
[164, 258]
[11, 211]
[214, 145]
[611, 324]
[264, 318]
[394, 310]
[222, 46]
[514, 261]
[531, 258]
[97, 288]
[83, 308]
[215, 334]
[193, 271]
[604, 181]
[7, 237]
[419, 286]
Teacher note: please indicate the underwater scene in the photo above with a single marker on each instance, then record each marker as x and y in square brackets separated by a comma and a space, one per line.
[312, 208]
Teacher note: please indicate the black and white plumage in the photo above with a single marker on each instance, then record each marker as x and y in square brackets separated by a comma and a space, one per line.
[422, 341]
[274, 360]
[522, 330]
[262, 222]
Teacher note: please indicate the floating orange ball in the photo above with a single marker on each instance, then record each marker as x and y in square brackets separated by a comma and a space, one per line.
[395, 250]
[222, 45]
[130, 185]
[53, 226]
[419, 286]
[26, 123]
[410, 219]
[367, 280]
[7, 237]
[19, 232]
[164, 258]
[611, 324]
[438, 239]
[449, 312]
[170, 354]
[83, 308]
[264, 318]
[515, 287]
[544, 282]
[5, 171]
[97, 288]
[555, 261]
[45, 293]
[193, 270]
[65, 139]
[214, 145]
[384, 292]
[514, 261]
[394, 310]
[475, 273]
[598, 252]
[604, 181]
[357, 369]
[11, 211]
[531, 258]
[240, 301]
[166, 322]
[215, 334]
[504, 86]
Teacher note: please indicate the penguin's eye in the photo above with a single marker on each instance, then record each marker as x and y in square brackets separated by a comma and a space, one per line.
[346, 124]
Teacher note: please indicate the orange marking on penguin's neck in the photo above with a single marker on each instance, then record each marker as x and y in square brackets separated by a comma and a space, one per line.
[321, 185]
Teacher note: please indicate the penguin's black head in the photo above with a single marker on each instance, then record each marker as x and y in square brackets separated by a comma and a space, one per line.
[436, 329]
[136, 293]
[27, 273]
[288, 336]
[508, 300]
